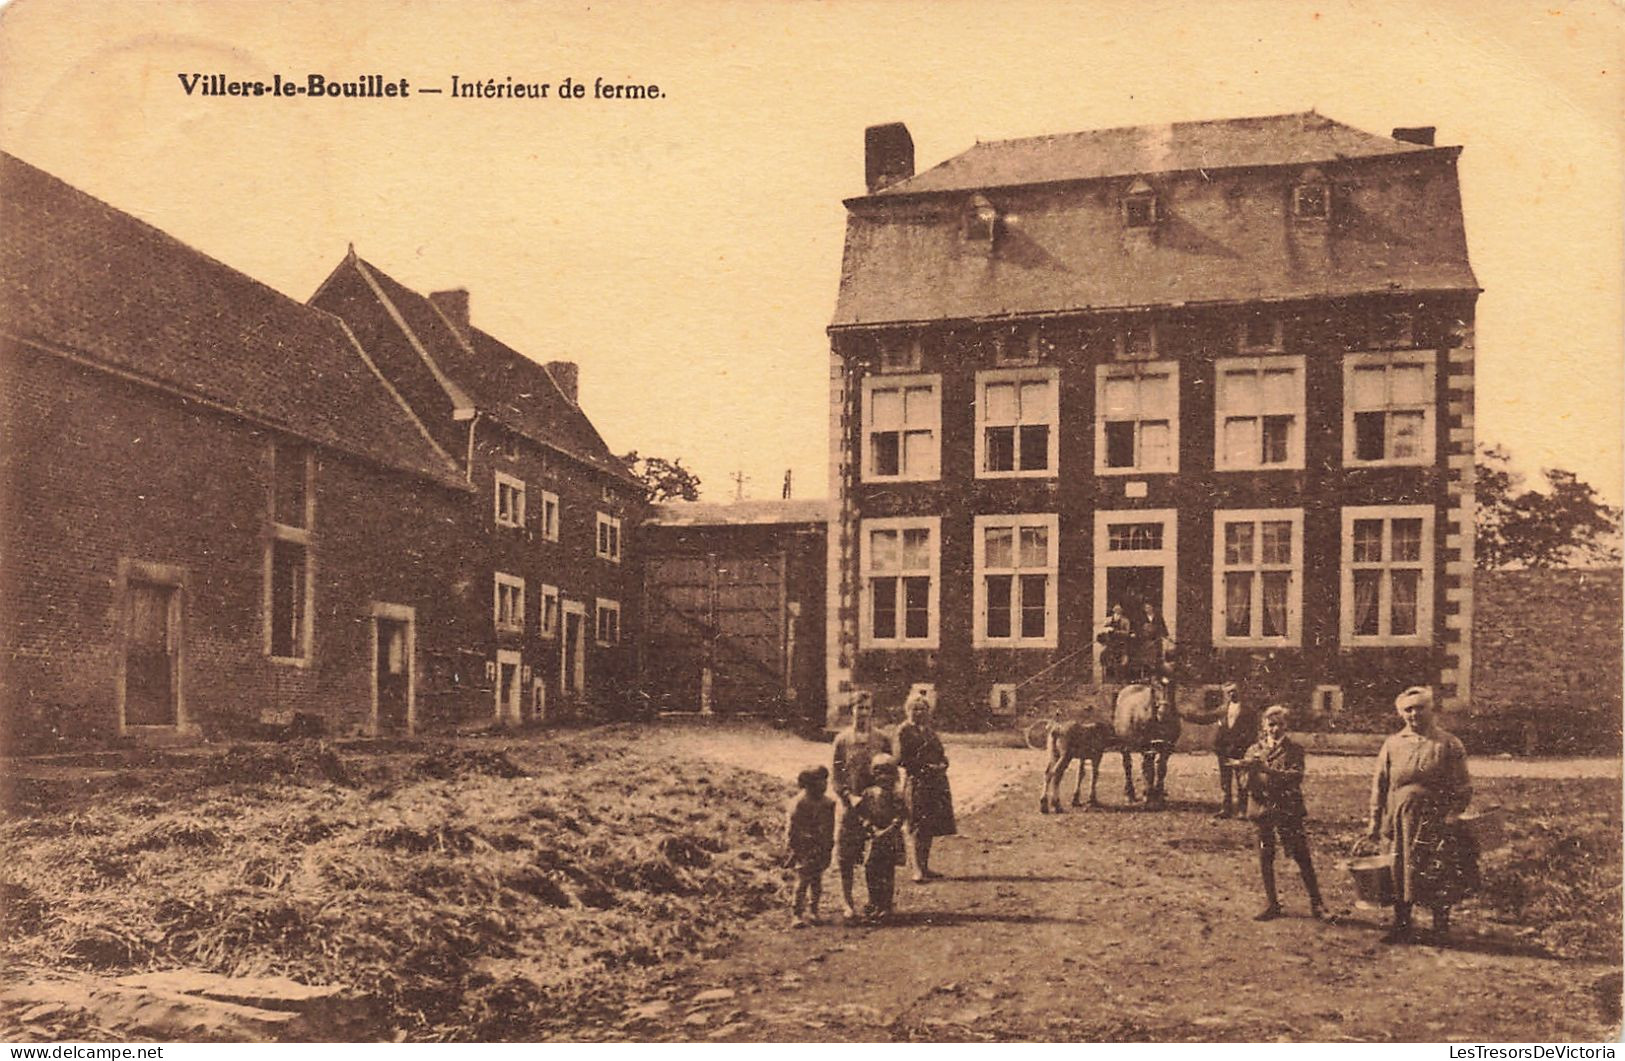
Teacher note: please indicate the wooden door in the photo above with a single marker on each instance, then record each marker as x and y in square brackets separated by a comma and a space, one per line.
[394, 675]
[150, 647]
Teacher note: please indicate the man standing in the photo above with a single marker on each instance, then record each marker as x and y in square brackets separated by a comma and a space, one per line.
[855, 749]
[1238, 728]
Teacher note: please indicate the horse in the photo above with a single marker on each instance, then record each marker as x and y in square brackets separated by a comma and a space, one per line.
[1145, 721]
[1084, 741]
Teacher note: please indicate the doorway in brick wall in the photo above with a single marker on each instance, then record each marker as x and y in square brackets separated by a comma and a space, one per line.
[151, 654]
[509, 693]
[393, 673]
[573, 650]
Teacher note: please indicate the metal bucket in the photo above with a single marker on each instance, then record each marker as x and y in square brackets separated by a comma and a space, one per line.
[1373, 879]
[1487, 826]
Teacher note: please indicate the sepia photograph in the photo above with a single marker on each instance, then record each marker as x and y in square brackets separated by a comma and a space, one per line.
[528, 521]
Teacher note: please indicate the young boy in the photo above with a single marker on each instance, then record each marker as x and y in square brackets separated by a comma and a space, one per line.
[1275, 767]
[809, 835]
[882, 811]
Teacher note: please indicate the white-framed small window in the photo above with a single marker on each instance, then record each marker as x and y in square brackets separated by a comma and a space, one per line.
[609, 537]
[1141, 208]
[1258, 577]
[1387, 583]
[902, 422]
[1136, 418]
[981, 219]
[1312, 201]
[608, 622]
[508, 445]
[1018, 422]
[508, 603]
[1260, 332]
[1015, 561]
[550, 516]
[1258, 413]
[548, 619]
[1388, 408]
[900, 561]
[510, 501]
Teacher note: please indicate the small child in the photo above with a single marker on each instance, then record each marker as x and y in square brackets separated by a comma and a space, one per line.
[1275, 766]
[809, 836]
[883, 813]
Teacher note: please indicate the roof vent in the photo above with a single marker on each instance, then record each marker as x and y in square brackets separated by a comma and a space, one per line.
[888, 155]
[1417, 134]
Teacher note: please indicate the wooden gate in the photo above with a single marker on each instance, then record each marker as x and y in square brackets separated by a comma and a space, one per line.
[719, 633]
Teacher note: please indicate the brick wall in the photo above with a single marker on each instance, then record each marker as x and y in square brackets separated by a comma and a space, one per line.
[1546, 665]
[97, 472]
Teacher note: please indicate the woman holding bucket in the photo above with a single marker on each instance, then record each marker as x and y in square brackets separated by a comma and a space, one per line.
[1420, 789]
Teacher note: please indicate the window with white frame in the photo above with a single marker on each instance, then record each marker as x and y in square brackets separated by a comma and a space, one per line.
[1258, 419]
[609, 537]
[510, 501]
[1388, 403]
[548, 620]
[289, 581]
[900, 563]
[550, 516]
[609, 622]
[1136, 418]
[1015, 564]
[902, 419]
[1312, 201]
[1018, 410]
[1136, 340]
[1387, 594]
[508, 606]
[1258, 577]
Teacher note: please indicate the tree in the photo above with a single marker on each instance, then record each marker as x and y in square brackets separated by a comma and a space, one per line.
[1566, 525]
[663, 480]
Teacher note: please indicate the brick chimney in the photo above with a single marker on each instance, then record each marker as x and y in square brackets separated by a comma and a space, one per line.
[567, 374]
[1416, 134]
[888, 155]
[454, 304]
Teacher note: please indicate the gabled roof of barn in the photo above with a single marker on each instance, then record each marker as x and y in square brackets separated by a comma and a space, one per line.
[82, 279]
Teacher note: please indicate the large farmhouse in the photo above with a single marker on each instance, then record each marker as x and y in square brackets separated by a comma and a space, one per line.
[1221, 368]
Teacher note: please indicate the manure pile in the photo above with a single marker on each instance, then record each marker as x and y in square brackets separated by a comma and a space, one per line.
[477, 893]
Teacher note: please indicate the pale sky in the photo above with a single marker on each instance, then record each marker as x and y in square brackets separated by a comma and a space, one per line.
[685, 251]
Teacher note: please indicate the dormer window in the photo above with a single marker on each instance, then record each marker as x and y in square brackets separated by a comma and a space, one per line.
[1140, 207]
[1312, 196]
[981, 220]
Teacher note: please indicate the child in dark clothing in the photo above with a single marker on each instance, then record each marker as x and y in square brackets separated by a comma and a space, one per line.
[883, 813]
[1275, 767]
[809, 836]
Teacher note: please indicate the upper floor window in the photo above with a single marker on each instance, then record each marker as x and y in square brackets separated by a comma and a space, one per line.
[508, 604]
[901, 353]
[289, 582]
[608, 621]
[981, 219]
[1018, 413]
[1136, 418]
[900, 562]
[609, 537]
[510, 501]
[1387, 596]
[508, 445]
[1258, 577]
[1136, 341]
[1259, 333]
[548, 620]
[901, 425]
[1015, 565]
[1259, 413]
[1388, 403]
[1388, 329]
[550, 516]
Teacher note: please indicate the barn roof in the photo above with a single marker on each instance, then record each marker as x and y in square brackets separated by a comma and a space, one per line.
[741, 513]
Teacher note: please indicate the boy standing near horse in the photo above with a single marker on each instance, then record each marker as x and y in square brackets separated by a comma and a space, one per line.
[1275, 768]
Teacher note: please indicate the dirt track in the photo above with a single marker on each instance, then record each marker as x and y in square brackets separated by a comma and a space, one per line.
[1121, 924]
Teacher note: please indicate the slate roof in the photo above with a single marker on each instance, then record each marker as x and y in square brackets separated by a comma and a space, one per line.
[1276, 140]
[82, 278]
[496, 378]
[740, 513]
[1064, 249]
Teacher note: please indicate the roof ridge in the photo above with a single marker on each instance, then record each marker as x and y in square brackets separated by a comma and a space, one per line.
[459, 398]
[1152, 125]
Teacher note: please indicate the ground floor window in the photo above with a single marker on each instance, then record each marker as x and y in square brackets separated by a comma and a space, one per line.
[1016, 560]
[1257, 577]
[290, 566]
[1387, 591]
[899, 559]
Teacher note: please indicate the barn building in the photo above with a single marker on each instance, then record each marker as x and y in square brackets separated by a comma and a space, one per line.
[215, 513]
[1224, 368]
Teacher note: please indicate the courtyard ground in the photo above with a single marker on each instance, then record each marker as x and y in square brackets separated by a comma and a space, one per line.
[519, 888]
